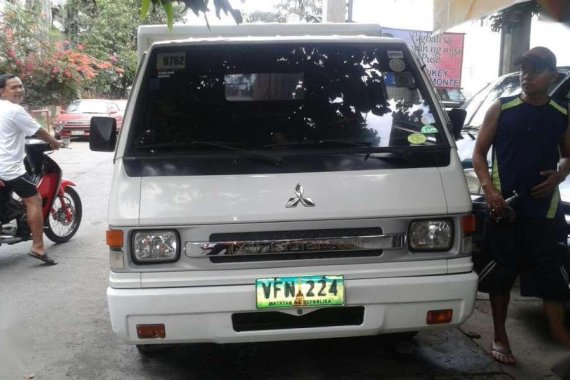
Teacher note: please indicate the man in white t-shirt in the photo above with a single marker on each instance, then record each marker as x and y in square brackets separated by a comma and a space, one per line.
[15, 125]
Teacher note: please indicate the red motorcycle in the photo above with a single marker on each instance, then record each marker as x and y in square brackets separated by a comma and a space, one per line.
[61, 205]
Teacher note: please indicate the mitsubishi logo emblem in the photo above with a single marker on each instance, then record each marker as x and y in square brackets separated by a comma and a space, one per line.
[305, 201]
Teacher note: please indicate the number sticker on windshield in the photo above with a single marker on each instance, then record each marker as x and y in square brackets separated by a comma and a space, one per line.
[170, 61]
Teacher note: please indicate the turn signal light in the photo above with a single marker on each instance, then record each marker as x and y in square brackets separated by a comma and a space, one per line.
[436, 317]
[151, 331]
[115, 238]
[468, 224]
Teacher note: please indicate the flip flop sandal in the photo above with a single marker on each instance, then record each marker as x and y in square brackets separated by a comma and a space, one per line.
[45, 258]
[502, 355]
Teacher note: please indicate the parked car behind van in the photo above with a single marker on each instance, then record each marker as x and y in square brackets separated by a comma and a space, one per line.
[451, 97]
[74, 120]
[122, 104]
[300, 185]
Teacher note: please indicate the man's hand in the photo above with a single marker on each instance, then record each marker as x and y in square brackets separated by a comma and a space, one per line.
[496, 203]
[55, 144]
[546, 188]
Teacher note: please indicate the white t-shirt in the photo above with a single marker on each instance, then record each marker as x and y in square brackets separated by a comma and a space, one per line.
[15, 125]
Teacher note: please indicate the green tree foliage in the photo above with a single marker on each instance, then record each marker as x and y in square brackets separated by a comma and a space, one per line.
[509, 18]
[302, 10]
[196, 6]
[52, 70]
[108, 31]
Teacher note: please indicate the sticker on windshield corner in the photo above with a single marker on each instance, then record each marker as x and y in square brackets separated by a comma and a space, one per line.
[395, 54]
[397, 65]
[429, 129]
[428, 119]
[170, 61]
[416, 139]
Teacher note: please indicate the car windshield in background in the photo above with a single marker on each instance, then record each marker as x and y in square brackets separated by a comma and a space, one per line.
[86, 106]
[283, 97]
[121, 103]
[507, 85]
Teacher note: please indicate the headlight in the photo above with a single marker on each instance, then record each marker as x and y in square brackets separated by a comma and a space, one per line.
[473, 182]
[431, 235]
[159, 246]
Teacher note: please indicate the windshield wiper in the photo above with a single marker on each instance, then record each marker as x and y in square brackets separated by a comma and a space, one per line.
[273, 160]
[323, 143]
[256, 156]
[387, 154]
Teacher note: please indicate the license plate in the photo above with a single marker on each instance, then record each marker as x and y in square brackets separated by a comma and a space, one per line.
[303, 291]
[77, 133]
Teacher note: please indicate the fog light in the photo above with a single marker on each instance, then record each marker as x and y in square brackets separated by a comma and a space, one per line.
[151, 331]
[436, 317]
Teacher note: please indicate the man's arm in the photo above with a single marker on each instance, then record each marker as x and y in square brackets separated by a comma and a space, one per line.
[43, 135]
[555, 177]
[487, 133]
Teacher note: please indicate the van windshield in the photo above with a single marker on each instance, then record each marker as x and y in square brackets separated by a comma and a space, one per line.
[292, 98]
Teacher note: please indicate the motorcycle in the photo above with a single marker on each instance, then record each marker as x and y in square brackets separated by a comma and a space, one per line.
[61, 205]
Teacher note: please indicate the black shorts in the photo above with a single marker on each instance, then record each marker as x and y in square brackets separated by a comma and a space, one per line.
[24, 186]
[532, 247]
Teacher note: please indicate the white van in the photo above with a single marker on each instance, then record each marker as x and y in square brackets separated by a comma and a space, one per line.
[286, 187]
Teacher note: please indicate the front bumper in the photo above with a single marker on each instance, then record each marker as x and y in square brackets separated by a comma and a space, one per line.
[75, 132]
[204, 314]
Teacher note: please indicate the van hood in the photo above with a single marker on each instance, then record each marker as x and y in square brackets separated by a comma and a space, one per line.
[182, 200]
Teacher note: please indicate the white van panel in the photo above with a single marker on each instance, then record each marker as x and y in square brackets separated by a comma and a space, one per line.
[262, 198]
[148, 34]
[248, 276]
[124, 201]
[455, 186]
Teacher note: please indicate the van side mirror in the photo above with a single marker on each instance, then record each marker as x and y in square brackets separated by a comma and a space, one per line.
[457, 117]
[102, 134]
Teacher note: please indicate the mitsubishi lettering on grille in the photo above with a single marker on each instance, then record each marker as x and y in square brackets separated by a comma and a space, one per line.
[299, 197]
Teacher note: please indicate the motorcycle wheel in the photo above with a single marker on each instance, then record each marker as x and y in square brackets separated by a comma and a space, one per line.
[59, 228]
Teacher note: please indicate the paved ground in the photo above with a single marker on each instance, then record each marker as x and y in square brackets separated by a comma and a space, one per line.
[531, 343]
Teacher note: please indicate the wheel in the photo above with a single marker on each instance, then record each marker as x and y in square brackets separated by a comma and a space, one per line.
[62, 223]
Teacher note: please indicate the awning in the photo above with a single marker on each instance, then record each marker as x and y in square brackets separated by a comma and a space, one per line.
[449, 13]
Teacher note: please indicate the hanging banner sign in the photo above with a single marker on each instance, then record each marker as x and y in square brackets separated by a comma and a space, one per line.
[441, 53]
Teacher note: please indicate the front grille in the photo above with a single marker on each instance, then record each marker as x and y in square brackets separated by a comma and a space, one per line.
[295, 235]
[273, 320]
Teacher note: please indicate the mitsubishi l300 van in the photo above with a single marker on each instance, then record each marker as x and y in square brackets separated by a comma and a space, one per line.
[286, 187]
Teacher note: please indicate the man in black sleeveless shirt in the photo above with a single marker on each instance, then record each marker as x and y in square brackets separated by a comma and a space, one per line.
[530, 137]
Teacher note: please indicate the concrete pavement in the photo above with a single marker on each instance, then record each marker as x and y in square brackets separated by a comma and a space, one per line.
[531, 343]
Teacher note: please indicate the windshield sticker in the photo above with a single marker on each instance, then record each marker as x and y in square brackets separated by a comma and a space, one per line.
[170, 61]
[428, 119]
[395, 54]
[397, 65]
[416, 139]
[429, 129]
[165, 74]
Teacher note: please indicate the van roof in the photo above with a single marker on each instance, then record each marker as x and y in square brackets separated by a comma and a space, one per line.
[148, 34]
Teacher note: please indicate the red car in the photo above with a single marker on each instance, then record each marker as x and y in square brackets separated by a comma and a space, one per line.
[74, 121]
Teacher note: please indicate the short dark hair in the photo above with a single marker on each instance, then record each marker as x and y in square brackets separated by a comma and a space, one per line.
[4, 78]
